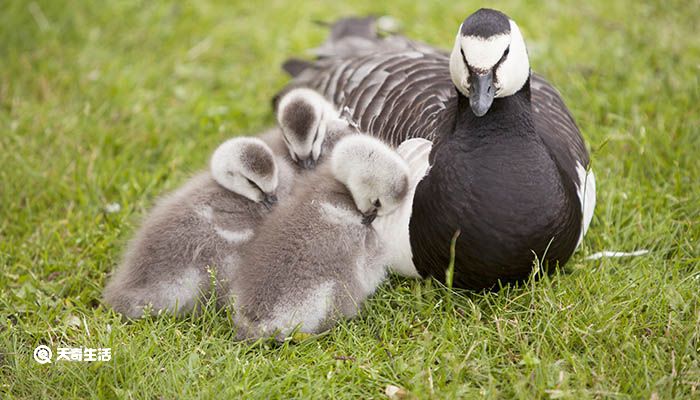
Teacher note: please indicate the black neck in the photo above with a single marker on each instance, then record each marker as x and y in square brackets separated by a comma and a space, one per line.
[509, 115]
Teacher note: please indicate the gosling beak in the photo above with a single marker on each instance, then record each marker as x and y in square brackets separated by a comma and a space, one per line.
[269, 200]
[481, 92]
[308, 163]
[368, 217]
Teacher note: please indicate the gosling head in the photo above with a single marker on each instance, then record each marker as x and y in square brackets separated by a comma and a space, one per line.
[489, 59]
[246, 166]
[303, 115]
[375, 175]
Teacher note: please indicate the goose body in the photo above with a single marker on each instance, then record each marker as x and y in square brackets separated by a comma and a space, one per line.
[514, 181]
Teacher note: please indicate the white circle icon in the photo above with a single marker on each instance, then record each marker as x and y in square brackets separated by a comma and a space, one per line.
[42, 354]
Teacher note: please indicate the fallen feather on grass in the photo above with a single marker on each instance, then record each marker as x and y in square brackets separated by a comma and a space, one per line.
[395, 392]
[613, 254]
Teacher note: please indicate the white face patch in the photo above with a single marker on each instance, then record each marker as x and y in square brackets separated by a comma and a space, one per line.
[514, 71]
[510, 75]
[458, 69]
[484, 53]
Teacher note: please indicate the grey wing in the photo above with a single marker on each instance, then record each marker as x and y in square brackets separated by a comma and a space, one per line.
[559, 132]
[393, 95]
[556, 125]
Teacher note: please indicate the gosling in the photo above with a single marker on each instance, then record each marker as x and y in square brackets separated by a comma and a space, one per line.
[315, 259]
[197, 232]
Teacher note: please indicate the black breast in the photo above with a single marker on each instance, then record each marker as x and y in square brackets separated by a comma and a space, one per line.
[493, 179]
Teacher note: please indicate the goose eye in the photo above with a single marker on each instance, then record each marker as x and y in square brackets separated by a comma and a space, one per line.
[253, 184]
[505, 53]
[316, 135]
[286, 141]
[377, 203]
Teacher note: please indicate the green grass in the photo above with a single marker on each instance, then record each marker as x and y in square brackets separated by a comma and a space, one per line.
[118, 102]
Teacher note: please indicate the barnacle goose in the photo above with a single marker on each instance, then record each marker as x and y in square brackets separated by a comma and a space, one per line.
[509, 168]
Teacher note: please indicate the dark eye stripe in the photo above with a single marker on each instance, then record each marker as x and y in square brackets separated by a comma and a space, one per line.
[464, 58]
[498, 64]
[503, 57]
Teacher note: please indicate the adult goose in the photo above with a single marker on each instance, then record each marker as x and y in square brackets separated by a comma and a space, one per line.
[509, 179]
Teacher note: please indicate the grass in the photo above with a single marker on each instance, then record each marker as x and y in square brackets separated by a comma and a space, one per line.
[118, 102]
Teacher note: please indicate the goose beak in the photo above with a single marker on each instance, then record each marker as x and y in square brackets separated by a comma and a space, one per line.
[269, 200]
[308, 163]
[368, 217]
[481, 92]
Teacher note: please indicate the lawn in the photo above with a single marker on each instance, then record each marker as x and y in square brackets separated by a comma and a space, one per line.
[106, 105]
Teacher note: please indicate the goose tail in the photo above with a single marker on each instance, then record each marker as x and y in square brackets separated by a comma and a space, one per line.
[352, 35]
[348, 37]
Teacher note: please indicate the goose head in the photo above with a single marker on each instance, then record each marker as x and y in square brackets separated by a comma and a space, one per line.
[489, 59]
[304, 116]
[376, 176]
[246, 166]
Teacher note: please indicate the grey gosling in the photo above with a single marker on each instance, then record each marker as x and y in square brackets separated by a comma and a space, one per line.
[201, 225]
[318, 257]
[308, 127]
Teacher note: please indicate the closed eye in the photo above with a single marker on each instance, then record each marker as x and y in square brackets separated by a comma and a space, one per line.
[253, 184]
[464, 58]
[286, 141]
[498, 64]
[318, 128]
[503, 57]
[316, 135]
